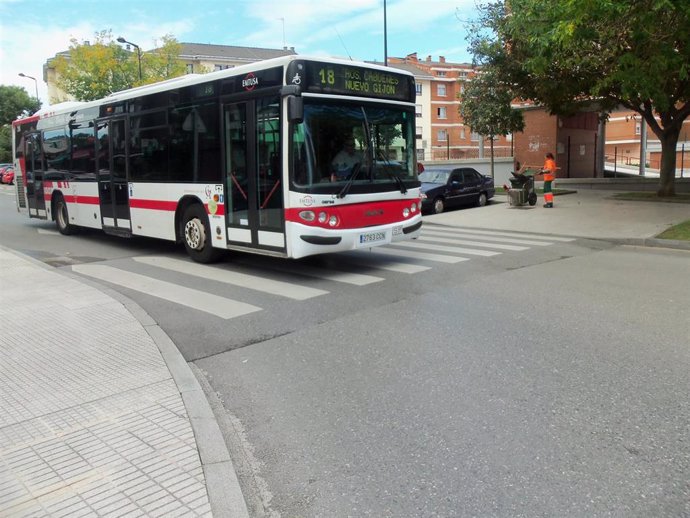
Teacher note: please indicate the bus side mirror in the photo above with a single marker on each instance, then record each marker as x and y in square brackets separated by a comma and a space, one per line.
[295, 109]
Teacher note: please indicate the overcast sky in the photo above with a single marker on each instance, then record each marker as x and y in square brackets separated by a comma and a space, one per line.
[31, 31]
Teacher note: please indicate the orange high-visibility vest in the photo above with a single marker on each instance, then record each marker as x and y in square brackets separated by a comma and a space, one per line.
[550, 170]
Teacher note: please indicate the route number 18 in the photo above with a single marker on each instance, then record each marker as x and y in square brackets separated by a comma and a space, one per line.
[327, 76]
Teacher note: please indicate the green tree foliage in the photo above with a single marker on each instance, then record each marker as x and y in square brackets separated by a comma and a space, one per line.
[485, 108]
[15, 102]
[95, 70]
[630, 53]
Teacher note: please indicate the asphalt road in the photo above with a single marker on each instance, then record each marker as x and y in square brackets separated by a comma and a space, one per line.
[546, 381]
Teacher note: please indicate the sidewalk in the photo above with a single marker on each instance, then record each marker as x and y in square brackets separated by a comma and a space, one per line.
[101, 416]
[585, 213]
[99, 413]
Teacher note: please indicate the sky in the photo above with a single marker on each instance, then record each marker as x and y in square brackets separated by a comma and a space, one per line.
[32, 31]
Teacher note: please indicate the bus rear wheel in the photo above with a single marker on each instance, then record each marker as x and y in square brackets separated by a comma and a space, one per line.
[196, 234]
[62, 217]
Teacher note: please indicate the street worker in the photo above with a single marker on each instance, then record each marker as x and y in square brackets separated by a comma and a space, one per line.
[549, 171]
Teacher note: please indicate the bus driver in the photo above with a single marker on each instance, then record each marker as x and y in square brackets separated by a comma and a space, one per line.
[343, 163]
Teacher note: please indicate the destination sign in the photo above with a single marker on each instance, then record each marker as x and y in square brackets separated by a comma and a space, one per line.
[332, 78]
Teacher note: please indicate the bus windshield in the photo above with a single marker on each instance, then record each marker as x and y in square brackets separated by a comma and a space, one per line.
[353, 148]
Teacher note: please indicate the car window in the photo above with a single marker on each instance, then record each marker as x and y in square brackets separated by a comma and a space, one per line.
[431, 176]
[456, 176]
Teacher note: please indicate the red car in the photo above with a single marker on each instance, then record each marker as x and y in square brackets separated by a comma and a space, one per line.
[7, 175]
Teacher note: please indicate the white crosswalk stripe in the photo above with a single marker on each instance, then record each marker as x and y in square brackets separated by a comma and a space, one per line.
[207, 302]
[357, 279]
[492, 239]
[252, 282]
[438, 258]
[443, 248]
[468, 242]
[360, 258]
[488, 233]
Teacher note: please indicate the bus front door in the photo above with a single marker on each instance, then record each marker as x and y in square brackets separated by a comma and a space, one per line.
[33, 162]
[253, 180]
[112, 177]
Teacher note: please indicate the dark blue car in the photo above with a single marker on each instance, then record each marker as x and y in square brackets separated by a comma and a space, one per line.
[443, 188]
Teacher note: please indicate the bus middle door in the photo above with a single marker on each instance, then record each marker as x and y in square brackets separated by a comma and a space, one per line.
[33, 160]
[254, 199]
[112, 177]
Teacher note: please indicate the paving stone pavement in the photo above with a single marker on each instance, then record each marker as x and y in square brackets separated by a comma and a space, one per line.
[92, 422]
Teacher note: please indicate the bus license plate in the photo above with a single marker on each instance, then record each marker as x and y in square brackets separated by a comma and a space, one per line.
[372, 238]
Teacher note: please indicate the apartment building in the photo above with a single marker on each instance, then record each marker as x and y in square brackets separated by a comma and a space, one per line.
[624, 130]
[198, 58]
[444, 134]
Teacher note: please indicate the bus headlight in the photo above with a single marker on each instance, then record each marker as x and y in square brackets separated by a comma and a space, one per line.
[307, 215]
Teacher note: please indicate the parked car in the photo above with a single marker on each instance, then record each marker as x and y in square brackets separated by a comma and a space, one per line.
[7, 175]
[443, 188]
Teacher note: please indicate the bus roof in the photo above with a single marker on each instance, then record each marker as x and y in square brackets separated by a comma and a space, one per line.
[193, 79]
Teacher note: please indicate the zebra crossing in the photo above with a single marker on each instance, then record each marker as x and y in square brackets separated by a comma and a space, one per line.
[437, 245]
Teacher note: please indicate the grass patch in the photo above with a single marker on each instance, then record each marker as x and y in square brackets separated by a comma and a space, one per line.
[680, 232]
[652, 196]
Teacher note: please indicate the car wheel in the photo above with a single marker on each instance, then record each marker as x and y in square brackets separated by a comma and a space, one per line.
[481, 201]
[62, 217]
[196, 234]
[439, 206]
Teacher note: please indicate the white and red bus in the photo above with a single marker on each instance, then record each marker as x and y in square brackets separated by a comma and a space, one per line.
[238, 159]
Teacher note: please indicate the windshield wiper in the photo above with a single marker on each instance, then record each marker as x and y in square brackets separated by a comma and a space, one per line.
[394, 176]
[346, 188]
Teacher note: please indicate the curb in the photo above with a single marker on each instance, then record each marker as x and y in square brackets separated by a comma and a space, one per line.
[222, 486]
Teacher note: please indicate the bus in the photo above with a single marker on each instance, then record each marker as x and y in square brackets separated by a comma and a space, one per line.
[238, 159]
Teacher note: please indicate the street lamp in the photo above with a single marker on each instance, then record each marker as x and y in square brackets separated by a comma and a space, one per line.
[122, 40]
[22, 74]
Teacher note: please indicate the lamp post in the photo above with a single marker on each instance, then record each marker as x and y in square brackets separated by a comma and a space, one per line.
[22, 74]
[385, 36]
[122, 40]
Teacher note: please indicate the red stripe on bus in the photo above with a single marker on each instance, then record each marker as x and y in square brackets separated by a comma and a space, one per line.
[86, 200]
[358, 215]
[152, 204]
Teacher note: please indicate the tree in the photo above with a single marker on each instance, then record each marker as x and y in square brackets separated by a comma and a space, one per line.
[630, 53]
[485, 108]
[95, 70]
[15, 102]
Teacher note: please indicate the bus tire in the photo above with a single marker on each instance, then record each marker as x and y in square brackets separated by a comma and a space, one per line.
[62, 217]
[196, 235]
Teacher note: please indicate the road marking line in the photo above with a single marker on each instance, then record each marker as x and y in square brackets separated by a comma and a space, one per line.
[391, 266]
[468, 242]
[493, 239]
[498, 233]
[451, 249]
[357, 279]
[220, 306]
[439, 258]
[252, 282]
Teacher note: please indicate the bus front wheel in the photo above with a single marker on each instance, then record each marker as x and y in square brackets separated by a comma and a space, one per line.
[196, 234]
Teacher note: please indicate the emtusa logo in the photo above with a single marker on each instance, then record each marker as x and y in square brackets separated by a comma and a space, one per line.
[250, 82]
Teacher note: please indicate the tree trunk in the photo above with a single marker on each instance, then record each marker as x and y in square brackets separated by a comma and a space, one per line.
[492, 157]
[667, 173]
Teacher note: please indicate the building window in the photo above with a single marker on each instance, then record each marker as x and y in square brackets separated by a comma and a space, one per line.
[441, 90]
[418, 88]
[462, 133]
[441, 73]
[190, 68]
[638, 128]
[418, 132]
[474, 136]
[441, 112]
[442, 135]
[420, 154]
[418, 110]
